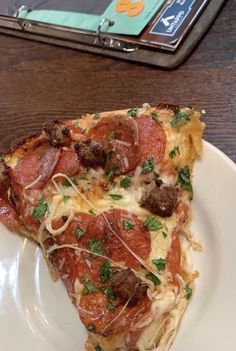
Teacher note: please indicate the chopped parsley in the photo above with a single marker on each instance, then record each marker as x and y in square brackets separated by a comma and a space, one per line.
[127, 225]
[109, 292]
[98, 348]
[188, 292]
[125, 182]
[148, 165]
[184, 180]
[174, 152]
[155, 116]
[164, 234]
[154, 279]
[116, 196]
[111, 306]
[111, 135]
[82, 178]
[91, 327]
[66, 199]
[133, 112]
[96, 116]
[105, 271]
[79, 233]
[40, 211]
[160, 263]
[152, 224]
[65, 182]
[180, 118]
[89, 287]
[111, 172]
[96, 246]
[92, 212]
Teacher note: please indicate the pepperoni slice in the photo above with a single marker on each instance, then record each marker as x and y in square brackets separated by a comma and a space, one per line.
[136, 238]
[40, 162]
[66, 260]
[68, 162]
[95, 313]
[152, 139]
[173, 256]
[8, 216]
[122, 132]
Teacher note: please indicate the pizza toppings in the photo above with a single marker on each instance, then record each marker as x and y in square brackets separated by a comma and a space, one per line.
[8, 216]
[128, 287]
[122, 134]
[92, 153]
[57, 134]
[160, 200]
[68, 162]
[152, 139]
[113, 262]
[39, 162]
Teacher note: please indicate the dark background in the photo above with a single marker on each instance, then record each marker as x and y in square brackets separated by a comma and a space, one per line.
[39, 82]
[95, 7]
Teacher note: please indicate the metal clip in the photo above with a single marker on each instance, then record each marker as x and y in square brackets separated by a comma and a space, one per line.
[23, 23]
[109, 42]
[100, 38]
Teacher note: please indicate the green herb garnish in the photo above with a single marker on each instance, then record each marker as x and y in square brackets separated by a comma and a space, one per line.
[155, 116]
[79, 233]
[92, 212]
[66, 199]
[188, 292]
[148, 165]
[154, 279]
[96, 115]
[184, 180]
[111, 306]
[164, 234]
[82, 178]
[109, 292]
[91, 327]
[111, 135]
[111, 172]
[96, 246]
[174, 152]
[127, 225]
[40, 211]
[105, 271]
[89, 287]
[98, 348]
[160, 263]
[125, 182]
[133, 112]
[180, 118]
[116, 196]
[65, 182]
[152, 224]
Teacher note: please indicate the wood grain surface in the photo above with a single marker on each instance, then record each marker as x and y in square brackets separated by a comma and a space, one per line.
[39, 82]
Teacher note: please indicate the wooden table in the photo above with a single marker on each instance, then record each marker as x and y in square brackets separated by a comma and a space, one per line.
[40, 82]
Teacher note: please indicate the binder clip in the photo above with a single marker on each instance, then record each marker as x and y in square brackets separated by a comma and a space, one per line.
[24, 24]
[106, 41]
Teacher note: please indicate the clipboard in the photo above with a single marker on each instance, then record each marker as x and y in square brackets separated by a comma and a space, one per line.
[161, 43]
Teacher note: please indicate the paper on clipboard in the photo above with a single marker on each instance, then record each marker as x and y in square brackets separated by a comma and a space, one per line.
[130, 17]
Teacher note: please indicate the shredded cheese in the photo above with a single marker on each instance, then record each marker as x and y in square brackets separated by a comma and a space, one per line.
[33, 183]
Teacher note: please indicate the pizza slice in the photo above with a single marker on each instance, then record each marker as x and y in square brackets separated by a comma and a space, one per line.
[107, 197]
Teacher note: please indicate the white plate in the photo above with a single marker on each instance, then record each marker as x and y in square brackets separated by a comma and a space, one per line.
[36, 313]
